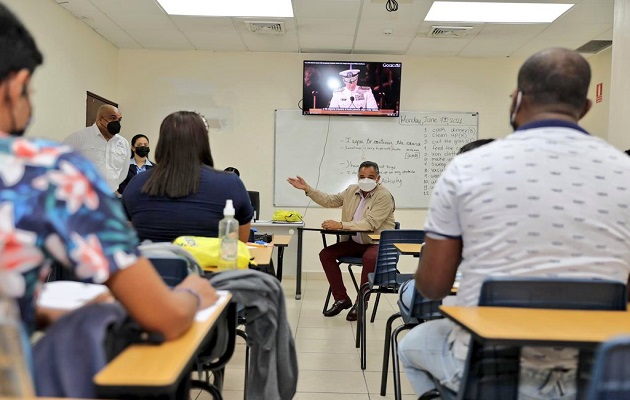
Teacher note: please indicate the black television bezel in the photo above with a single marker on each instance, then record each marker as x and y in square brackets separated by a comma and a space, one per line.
[339, 66]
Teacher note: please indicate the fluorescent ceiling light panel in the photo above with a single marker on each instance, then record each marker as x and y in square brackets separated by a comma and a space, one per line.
[502, 13]
[229, 8]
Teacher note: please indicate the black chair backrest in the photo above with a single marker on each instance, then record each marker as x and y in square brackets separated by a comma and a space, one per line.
[254, 197]
[387, 259]
[611, 373]
[424, 309]
[171, 262]
[558, 293]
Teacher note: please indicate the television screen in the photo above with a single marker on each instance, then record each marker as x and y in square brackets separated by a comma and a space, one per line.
[351, 88]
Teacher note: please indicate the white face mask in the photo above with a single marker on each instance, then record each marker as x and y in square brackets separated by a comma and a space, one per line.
[367, 184]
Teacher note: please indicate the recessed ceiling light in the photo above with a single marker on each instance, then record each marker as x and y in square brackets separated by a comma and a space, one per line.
[506, 13]
[229, 8]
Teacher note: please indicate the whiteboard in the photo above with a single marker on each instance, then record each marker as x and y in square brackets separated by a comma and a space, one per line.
[411, 151]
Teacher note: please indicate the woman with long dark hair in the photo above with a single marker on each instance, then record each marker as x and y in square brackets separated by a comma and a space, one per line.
[139, 161]
[183, 194]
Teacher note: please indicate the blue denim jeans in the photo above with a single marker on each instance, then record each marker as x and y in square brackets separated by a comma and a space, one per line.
[425, 353]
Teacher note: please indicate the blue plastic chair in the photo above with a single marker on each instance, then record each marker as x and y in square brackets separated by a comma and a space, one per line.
[492, 371]
[386, 278]
[421, 310]
[611, 372]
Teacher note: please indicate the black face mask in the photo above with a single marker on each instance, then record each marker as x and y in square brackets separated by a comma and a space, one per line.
[113, 127]
[142, 151]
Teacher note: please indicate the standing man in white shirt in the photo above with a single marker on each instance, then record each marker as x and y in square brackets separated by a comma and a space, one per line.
[101, 144]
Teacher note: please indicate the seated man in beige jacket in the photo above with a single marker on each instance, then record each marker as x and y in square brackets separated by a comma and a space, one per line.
[366, 206]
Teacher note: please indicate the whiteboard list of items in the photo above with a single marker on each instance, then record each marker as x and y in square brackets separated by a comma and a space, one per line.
[411, 151]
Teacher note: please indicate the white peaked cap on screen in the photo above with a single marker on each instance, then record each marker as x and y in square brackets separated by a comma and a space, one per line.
[349, 73]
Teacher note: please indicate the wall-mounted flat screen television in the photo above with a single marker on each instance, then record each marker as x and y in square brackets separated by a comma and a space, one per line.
[351, 88]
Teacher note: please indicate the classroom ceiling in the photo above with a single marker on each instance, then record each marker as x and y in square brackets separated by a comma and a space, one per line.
[343, 27]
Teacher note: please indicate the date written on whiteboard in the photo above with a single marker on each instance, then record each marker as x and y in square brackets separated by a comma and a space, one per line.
[430, 120]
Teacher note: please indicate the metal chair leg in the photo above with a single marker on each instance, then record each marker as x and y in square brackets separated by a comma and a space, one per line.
[395, 359]
[388, 335]
[354, 280]
[327, 299]
[360, 313]
[243, 334]
[378, 297]
[363, 307]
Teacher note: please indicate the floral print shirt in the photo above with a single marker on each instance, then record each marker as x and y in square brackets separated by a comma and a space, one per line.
[55, 205]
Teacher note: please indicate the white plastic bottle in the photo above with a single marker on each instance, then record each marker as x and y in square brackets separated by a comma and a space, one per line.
[228, 233]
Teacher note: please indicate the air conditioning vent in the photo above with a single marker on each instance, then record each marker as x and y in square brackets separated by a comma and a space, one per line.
[440, 31]
[273, 27]
[594, 46]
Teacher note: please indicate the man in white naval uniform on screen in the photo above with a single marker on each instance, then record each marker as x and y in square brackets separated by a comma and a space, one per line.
[352, 96]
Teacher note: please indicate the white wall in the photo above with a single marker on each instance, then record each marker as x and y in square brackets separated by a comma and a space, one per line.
[76, 60]
[596, 121]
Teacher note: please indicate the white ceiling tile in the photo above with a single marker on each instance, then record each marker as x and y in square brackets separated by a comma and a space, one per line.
[589, 13]
[128, 6]
[203, 24]
[167, 40]
[338, 42]
[324, 27]
[426, 45]
[340, 26]
[131, 22]
[271, 43]
[216, 41]
[347, 10]
[119, 38]
[78, 6]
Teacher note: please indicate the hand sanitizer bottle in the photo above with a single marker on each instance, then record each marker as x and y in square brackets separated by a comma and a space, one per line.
[228, 233]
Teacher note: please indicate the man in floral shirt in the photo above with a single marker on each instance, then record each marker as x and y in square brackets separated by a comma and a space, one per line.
[54, 205]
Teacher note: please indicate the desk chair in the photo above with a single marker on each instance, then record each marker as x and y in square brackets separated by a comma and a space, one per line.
[352, 261]
[492, 372]
[421, 310]
[254, 198]
[386, 278]
[173, 263]
[611, 372]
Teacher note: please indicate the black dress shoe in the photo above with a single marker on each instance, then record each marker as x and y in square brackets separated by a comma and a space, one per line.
[352, 314]
[338, 307]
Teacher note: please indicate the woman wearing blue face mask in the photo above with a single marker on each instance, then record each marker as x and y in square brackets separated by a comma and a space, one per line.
[139, 161]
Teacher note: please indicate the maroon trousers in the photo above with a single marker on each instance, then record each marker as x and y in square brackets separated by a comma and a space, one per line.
[350, 248]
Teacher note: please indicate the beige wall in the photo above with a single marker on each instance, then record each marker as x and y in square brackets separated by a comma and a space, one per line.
[239, 92]
[596, 121]
[76, 60]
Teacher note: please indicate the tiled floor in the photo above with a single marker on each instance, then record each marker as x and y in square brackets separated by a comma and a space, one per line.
[328, 360]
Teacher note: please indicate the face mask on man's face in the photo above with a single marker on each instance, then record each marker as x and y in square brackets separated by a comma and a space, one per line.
[113, 127]
[367, 184]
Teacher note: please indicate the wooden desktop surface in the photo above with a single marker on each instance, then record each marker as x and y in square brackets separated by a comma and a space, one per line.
[282, 240]
[410, 249]
[539, 326]
[374, 236]
[160, 365]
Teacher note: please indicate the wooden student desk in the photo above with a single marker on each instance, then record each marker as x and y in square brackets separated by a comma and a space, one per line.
[539, 327]
[148, 370]
[409, 249]
[518, 327]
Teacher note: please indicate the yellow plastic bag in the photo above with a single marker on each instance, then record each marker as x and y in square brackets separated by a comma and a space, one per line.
[207, 251]
[286, 216]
